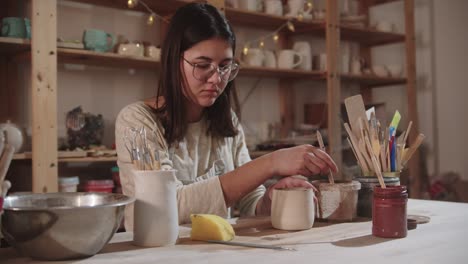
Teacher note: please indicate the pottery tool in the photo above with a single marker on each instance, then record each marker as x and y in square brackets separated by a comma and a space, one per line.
[354, 142]
[322, 147]
[365, 154]
[354, 151]
[246, 244]
[374, 135]
[5, 161]
[412, 149]
[355, 109]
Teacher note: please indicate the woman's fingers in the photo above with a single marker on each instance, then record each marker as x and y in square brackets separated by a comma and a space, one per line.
[322, 165]
[323, 156]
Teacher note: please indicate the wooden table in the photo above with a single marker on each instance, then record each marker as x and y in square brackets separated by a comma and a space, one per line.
[442, 240]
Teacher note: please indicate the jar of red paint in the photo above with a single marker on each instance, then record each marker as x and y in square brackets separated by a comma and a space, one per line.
[389, 212]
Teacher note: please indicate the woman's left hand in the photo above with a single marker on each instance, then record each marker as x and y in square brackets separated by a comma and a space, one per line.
[264, 205]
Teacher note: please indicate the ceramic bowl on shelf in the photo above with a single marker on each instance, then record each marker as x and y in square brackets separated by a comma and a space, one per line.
[395, 70]
[379, 71]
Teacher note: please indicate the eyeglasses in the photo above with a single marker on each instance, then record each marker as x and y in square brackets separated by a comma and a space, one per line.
[204, 71]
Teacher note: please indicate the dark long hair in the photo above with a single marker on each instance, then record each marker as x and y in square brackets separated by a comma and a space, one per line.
[190, 25]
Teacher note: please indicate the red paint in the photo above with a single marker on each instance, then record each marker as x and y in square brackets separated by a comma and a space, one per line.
[389, 212]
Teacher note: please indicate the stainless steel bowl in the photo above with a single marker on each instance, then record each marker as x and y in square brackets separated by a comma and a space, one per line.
[58, 226]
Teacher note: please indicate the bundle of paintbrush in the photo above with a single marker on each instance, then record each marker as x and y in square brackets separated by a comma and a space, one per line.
[376, 147]
[143, 153]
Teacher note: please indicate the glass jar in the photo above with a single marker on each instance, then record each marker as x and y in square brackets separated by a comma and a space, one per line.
[389, 212]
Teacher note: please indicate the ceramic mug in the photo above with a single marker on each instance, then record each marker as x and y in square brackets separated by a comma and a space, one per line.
[255, 57]
[249, 5]
[153, 52]
[131, 49]
[16, 27]
[296, 7]
[288, 59]
[293, 208]
[303, 47]
[98, 40]
[274, 7]
[270, 59]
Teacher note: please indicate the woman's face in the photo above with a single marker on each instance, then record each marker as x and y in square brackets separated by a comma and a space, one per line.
[204, 91]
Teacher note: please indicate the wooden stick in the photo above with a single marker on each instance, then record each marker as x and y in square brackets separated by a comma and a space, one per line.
[361, 159]
[367, 158]
[408, 130]
[322, 146]
[378, 172]
[413, 149]
[354, 152]
[383, 159]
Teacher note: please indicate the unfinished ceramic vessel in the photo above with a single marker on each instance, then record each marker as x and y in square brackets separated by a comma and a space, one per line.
[293, 209]
[338, 201]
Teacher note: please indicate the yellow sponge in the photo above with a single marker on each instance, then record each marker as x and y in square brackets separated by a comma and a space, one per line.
[210, 227]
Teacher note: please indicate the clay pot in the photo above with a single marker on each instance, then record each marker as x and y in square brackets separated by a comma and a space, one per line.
[338, 201]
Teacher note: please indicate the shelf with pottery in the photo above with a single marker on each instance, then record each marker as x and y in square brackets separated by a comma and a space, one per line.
[365, 36]
[162, 7]
[70, 156]
[14, 45]
[280, 73]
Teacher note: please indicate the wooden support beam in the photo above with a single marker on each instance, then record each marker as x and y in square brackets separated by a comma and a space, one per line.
[414, 169]
[333, 83]
[44, 96]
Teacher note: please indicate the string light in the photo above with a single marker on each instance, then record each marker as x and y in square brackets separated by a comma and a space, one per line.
[151, 18]
[246, 50]
[132, 3]
[276, 37]
[262, 44]
[290, 26]
[152, 15]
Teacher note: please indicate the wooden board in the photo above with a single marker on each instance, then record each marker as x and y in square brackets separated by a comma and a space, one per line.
[44, 96]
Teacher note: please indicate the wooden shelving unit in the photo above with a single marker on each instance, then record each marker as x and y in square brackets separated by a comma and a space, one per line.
[330, 29]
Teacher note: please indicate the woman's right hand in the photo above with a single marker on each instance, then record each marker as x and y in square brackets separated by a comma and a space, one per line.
[305, 160]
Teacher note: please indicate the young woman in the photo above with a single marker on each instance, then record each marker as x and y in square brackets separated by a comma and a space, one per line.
[197, 131]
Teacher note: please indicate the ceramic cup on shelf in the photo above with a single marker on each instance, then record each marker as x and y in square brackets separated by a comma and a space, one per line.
[16, 27]
[289, 59]
[384, 26]
[356, 66]
[293, 208]
[303, 48]
[270, 59]
[131, 49]
[249, 5]
[296, 7]
[395, 70]
[273, 7]
[153, 52]
[254, 57]
[13, 135]
[98, 40]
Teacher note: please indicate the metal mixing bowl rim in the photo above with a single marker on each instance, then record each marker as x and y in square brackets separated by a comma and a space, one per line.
[127, 200]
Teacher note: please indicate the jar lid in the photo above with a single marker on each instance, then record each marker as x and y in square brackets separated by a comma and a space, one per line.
[69, 180]
[115, 169]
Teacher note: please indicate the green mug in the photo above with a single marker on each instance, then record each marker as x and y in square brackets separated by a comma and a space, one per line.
[98, 40]
[16, 27]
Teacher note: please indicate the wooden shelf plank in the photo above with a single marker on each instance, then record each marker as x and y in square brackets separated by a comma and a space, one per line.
[370, 37]
[14, 45]
[381, 2]
[107, 59]
[372, 80]
[280, 73]
[27, 156]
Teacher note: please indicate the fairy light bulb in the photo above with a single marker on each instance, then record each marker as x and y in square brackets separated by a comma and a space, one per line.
[300, 17]
[276, 37]
[291, 26]
[262, 44]
[310, 5]
[245, 51]
[151, 18]
[132, 3]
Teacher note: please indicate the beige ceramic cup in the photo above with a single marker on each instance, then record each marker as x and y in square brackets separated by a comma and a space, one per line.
[293, 208]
